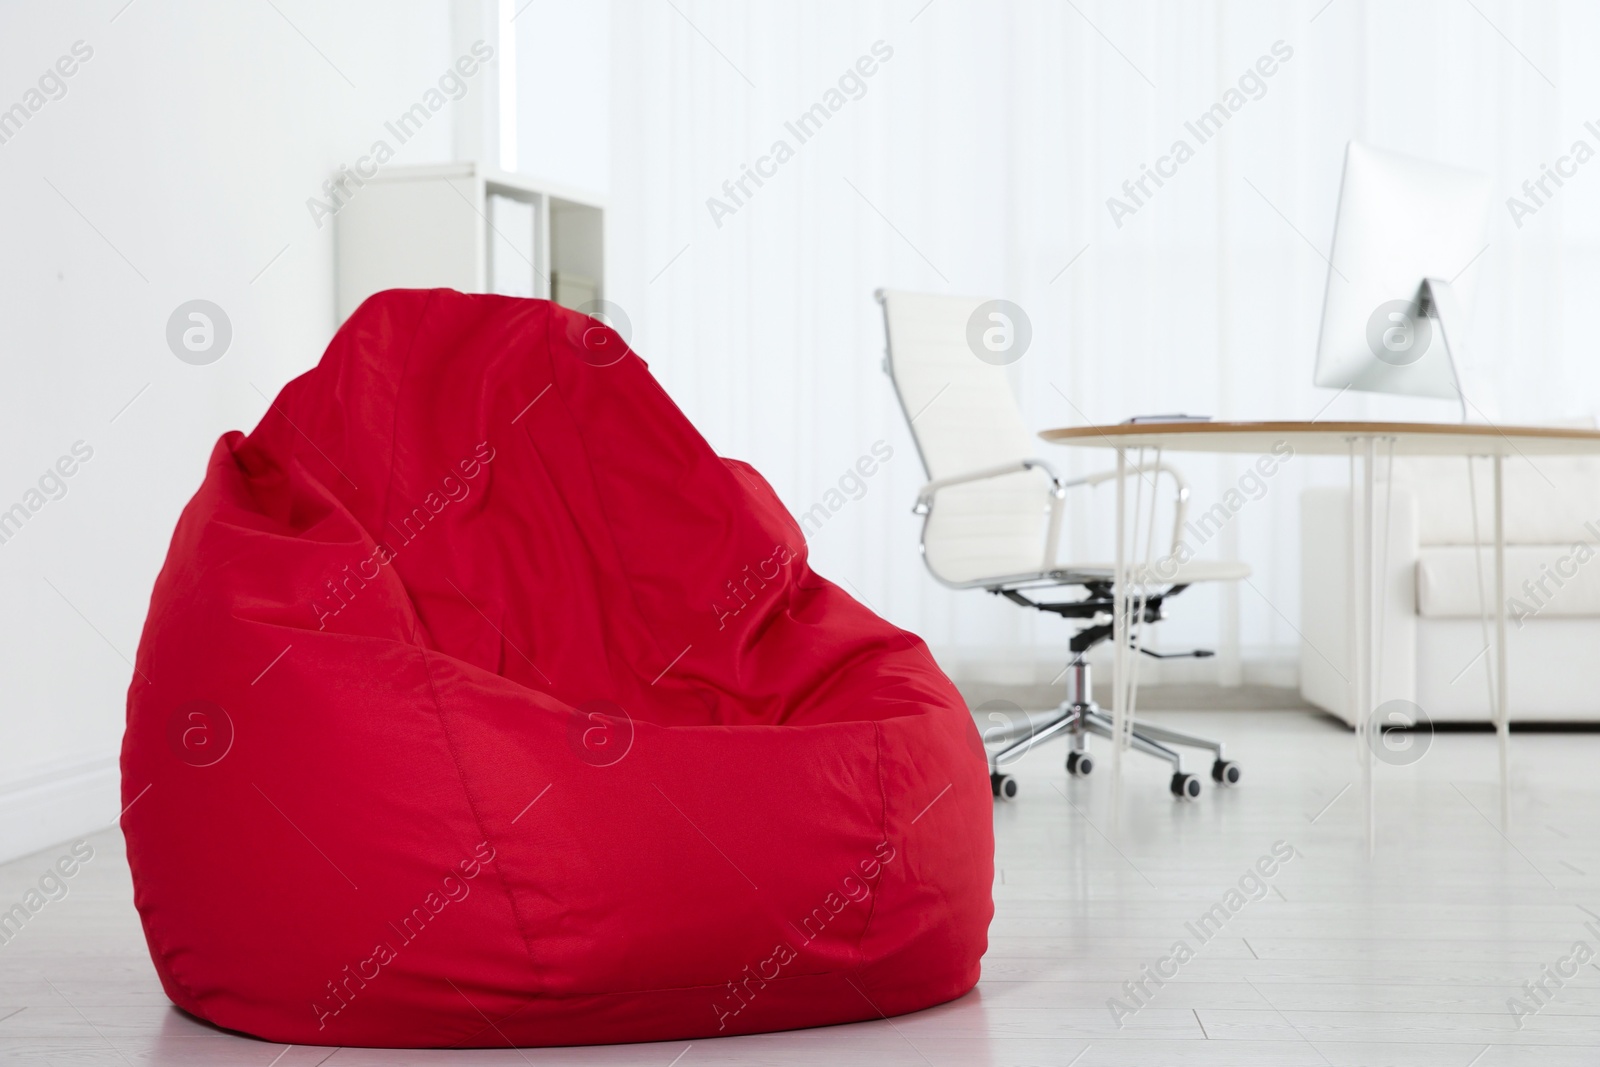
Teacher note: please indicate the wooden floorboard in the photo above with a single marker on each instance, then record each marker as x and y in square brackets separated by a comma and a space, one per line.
[1405, 957]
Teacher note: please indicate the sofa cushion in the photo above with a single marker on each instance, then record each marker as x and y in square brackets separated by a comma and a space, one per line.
[1447, 580]
[1548, 499]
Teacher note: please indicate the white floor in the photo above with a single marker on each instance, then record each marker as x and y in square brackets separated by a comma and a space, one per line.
[1407, 958]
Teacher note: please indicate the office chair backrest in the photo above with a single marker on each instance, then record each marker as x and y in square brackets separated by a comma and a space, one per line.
[964, 417]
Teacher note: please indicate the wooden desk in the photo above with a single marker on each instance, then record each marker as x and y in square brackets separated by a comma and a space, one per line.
[1335, 438]
[1363, 442]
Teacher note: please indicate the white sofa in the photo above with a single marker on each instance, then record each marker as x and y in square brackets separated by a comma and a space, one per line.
[1431, 637]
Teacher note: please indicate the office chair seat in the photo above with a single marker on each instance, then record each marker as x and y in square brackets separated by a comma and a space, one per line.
[1156, 574]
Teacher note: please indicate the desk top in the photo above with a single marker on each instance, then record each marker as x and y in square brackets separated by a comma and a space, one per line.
[1335, 438]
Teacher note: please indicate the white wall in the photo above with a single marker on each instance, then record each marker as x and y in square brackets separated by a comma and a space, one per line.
[184, 151]
[980, 159]
[564, 92]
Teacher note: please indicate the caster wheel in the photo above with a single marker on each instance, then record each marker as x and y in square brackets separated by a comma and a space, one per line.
[1225, 772]
[1079, 764]
[1004, 786]
[1185, 786]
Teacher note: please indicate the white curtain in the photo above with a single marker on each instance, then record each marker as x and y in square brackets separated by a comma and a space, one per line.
[979, 159]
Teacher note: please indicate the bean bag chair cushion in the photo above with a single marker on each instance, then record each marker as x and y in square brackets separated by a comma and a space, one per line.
[481, 703]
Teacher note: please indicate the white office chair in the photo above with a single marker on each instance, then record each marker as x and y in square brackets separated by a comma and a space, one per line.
[992, 518]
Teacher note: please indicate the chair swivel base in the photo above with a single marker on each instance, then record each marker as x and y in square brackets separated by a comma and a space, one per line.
[1079, 716]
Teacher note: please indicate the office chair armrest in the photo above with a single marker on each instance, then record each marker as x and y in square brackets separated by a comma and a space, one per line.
[1058, 494]
[1180, 501]
[926, 494]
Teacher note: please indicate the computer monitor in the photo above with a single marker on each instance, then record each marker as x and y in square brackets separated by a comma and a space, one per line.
[1398, 279]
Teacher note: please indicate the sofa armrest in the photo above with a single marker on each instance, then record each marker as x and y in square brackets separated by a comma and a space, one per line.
[1325, 585]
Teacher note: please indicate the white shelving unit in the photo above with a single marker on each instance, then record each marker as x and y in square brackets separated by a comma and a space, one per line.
[469, 227]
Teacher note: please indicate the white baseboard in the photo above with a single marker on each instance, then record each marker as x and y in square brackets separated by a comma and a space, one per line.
[62, 802]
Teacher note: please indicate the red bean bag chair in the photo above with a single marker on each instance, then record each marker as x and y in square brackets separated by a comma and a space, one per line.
[481, 703]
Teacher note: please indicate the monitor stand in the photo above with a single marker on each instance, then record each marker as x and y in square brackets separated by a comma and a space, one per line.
[1437, 300]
